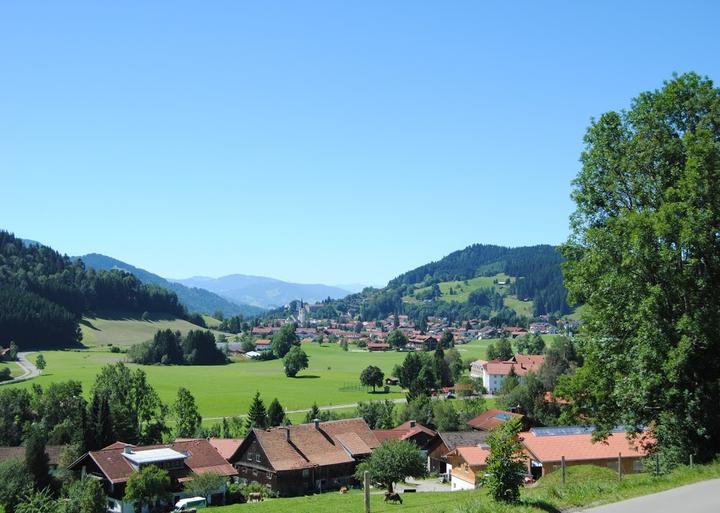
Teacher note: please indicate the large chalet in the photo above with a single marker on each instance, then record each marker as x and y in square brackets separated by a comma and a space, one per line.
[307, 458]
[494, 372]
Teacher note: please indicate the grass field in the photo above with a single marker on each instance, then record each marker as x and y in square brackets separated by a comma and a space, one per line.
[15, 369]
[461, 289]
[585, 486]
[125, 331]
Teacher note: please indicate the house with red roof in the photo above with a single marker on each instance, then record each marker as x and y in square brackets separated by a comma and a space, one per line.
[492, 418]
[546, 447]
[114, 464]
[305, 458]
[466, 462]
[494, 372]
[410, 431]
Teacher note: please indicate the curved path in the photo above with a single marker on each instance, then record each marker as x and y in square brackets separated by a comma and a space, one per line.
[702, 497]
[29, 369]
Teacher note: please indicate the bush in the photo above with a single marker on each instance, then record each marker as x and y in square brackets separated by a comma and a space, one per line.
[5, 374]
[255, 487]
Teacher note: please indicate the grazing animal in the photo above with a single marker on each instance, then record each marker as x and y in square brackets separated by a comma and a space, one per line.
[255, 497]
[343, 489]
[393, 497]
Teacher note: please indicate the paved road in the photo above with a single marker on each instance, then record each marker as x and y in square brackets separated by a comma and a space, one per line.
[29, 369]
[703, 497]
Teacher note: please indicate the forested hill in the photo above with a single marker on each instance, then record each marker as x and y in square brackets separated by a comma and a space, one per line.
[44, 294]
[504, 285]
[195, 299]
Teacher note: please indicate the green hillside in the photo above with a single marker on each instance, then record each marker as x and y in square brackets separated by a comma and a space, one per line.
[126, 330]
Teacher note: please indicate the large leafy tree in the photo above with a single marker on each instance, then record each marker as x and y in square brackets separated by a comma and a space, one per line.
[15, 483]
[644, 256]
[503, 475]
[205, 484]
[397, 339]
[187, 418]
[284, 339]
[392, 462]
[295, 360]
[372, 376]
[147, 486]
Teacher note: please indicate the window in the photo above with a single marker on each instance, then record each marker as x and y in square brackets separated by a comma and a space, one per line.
[612, 465]
[257, 458]
[306, 473]
[637, 465]
[268, 475]
[254, 472]
[250, 456]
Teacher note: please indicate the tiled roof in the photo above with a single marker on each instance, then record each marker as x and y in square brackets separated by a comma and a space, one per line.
[201, 457]
[492, 418]
[404, 431]
[53, 452]
[454, 439]
[331, 443]
[579, 447]
[474, 456]
[522, 364]
[226, 447]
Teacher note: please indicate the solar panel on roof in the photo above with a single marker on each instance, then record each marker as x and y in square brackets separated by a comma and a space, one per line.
[503, 416]
[571, 430]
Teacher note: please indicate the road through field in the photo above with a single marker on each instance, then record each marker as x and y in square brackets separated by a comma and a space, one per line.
[29, 369]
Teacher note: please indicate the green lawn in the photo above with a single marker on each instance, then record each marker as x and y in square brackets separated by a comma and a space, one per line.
[15, 369]
[461, 290]
[124, 331]
[585, 486]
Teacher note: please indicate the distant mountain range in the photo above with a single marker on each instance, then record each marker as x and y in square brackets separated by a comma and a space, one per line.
[194, 299]
[263, 292]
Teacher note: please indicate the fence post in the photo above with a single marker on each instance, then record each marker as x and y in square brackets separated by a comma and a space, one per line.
[657, 464]
[691, 461]
[620, 465]
[366, 487]
[562, 463]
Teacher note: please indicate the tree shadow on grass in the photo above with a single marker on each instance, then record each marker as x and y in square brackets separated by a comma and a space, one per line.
[90, 325]
[541, 505]
[307, 376]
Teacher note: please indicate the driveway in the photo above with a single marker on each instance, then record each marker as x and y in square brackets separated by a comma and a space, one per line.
[702, 497]
[424, 485]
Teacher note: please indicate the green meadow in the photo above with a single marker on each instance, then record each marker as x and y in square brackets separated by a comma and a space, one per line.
[122, 331]
[15, 369]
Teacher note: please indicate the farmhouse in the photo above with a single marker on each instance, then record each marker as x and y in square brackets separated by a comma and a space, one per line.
[378, 346]
[446, 442]
[492, 418]
[466, 461]
[263, 344]
[494, 372]
[546, 447]
[411, 431]
[306, 458]
[114, 465]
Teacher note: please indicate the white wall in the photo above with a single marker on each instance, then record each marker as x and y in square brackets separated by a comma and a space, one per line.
[459, 484]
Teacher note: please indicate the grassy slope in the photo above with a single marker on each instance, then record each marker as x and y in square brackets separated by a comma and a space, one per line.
[124, 331]
[15, 369]
[587, 486]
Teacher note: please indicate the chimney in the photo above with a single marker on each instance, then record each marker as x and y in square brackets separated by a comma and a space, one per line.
[413, 423]
[317, 424]
[287, 433]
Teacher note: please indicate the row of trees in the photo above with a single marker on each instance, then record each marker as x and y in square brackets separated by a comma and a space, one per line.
[169, 347]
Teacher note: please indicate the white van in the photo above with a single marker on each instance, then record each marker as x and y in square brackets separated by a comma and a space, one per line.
[191, 503]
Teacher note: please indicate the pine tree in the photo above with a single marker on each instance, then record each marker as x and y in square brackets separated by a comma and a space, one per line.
[275, 413]
[36, 459]
[257, 415]
[99, 424]
[312, 414]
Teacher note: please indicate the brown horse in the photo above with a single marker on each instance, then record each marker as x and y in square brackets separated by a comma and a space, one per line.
[255, 497]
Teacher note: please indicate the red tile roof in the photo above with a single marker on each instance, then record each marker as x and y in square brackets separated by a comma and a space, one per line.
[522, 364]
[580, 447]
[474, 456]
[201, 458]
[491, 418]
[226, 447]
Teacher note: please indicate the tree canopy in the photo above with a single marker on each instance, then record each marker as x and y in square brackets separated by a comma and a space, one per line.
[392, 462]
[295, 360]
[644, 256]
[372, 376]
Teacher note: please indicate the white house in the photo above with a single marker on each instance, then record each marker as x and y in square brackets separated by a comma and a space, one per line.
[494, 372]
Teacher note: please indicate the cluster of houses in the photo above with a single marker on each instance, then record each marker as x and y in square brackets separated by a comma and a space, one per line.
[373, 334]
[321, 456]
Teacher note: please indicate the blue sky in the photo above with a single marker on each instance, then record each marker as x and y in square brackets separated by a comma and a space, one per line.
[315, 141]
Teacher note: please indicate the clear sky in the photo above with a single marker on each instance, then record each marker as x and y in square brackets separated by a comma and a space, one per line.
[330, 142]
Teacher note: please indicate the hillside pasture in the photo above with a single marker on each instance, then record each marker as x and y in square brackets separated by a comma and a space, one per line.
[462, 289]
[123, 330]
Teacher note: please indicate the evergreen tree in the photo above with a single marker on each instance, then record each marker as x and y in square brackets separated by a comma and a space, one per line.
[257, 415]
[312, 414]
[36, 459]
[275, 413]
[187, 418]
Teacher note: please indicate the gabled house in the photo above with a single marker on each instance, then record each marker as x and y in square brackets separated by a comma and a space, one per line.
[410, 431]
[378, 346]
[306, 458]
[546, 447]
[494, 372]
[114, 465]
[466, 462]
[446, 442]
